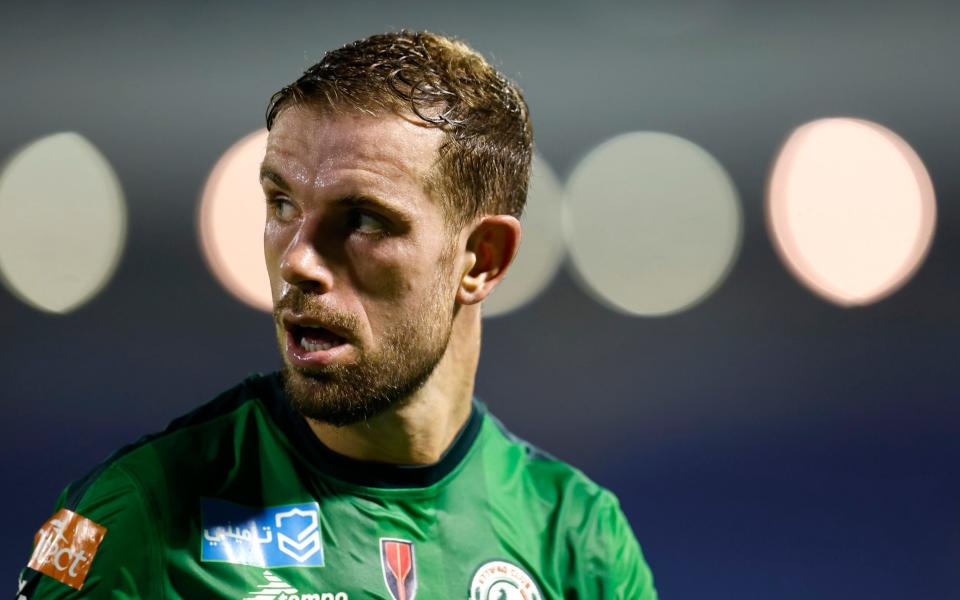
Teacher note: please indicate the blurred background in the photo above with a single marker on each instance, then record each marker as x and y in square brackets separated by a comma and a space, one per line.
[736, 304]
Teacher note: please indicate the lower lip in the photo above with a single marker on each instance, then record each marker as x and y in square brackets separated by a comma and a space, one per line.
[301, 357]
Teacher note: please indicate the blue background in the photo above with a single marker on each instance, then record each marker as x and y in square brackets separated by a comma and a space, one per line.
[764, 444]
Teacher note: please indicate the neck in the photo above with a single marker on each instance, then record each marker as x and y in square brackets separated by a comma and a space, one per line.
[420, 430]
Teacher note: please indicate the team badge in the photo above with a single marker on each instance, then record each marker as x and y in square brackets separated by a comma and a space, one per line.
[501, 580]
[270, 536]
[399, 568]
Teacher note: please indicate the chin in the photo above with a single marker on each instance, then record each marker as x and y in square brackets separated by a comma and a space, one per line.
[323, 396]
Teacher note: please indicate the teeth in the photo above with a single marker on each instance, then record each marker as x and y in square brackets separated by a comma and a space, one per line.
[311, 347]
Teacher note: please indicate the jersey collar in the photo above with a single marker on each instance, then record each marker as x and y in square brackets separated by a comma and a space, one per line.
[367, 473]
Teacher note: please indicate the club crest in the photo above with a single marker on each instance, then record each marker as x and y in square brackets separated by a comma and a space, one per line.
[399, 568]
[501, 580]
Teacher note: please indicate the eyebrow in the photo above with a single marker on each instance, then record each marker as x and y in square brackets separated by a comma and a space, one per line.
[398, 212]
[268, 173]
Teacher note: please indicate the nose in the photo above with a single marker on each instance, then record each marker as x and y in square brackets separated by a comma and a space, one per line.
[302, 266]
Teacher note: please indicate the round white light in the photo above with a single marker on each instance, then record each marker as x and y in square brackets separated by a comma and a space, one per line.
[851, 209]
[63, 222]
[653, 223]
[232, 215]
[541, 246]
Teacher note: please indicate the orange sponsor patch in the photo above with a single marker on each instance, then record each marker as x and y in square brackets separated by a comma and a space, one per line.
[65, 546]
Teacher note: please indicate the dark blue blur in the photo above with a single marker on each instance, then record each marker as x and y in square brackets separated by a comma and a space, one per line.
[765, 444]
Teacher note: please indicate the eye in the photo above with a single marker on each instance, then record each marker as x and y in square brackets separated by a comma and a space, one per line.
[281, 208]
[367, 223]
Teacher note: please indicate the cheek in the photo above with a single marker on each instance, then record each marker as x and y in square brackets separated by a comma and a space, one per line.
[274, 243]
[399, 276]
[383, 271]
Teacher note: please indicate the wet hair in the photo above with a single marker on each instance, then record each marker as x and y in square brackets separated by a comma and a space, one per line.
[483, 164]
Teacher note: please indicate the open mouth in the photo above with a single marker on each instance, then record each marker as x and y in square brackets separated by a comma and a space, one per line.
[311, 345]
[314, 339]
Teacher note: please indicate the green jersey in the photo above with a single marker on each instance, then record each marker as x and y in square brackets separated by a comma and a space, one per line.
[239, 499]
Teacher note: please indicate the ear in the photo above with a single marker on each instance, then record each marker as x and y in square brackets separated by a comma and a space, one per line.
[491, 248]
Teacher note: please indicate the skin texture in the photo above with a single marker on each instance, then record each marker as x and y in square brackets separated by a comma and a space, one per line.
[355, 242]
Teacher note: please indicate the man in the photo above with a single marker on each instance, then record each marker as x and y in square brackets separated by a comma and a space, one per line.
[395, 173]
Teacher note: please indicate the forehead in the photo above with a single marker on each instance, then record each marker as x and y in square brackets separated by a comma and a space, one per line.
[307, 146]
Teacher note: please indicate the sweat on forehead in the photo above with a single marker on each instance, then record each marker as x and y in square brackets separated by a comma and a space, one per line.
[305, 143]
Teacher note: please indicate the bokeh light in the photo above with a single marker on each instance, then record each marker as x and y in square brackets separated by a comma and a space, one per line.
[851, 209]
[231, 219]
[653, 223]
[63, 222]
[541, 247]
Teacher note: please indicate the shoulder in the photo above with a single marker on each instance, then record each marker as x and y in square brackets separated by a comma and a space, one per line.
[190, 441]
[101, 536]
[553, 480]
[191, 449]
[594, 539]
[118, 512]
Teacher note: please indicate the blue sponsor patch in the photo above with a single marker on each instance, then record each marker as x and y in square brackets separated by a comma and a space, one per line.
[272, 536]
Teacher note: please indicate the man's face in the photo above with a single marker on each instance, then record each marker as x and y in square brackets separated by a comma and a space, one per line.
[360, 259]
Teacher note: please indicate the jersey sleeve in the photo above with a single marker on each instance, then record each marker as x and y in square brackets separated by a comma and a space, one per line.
[611, 565]
[101, 542]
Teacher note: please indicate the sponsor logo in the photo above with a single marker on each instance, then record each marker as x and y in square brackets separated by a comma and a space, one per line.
[277, 589]
[501, 580]
[65, 546]
[273, 536]
[399, 568]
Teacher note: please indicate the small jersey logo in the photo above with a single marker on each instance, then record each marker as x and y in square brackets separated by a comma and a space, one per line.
[502, 580]
[65, 546]
[277, 589]
[21, 586]
[399, 568]
[273, 536]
